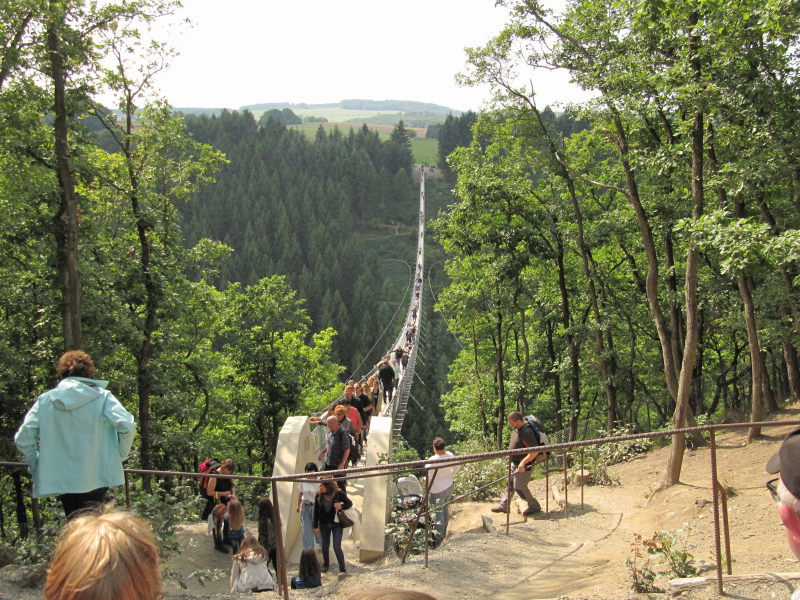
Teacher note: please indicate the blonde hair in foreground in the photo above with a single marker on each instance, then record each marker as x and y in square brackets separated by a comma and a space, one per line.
[103, 556]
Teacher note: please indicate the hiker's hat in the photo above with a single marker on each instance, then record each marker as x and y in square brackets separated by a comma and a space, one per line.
[786, 462]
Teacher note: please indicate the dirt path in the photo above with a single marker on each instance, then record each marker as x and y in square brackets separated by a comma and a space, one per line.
[578, 556]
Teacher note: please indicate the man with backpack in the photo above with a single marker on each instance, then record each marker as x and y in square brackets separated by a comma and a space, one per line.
[524, 436]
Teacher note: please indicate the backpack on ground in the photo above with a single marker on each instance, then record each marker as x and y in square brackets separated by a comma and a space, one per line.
[210, 465]
[541, 436]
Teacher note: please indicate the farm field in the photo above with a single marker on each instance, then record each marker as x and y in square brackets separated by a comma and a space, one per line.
[334, 114]
[424, 150]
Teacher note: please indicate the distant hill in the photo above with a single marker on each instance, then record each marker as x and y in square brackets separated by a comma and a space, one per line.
[372, 105]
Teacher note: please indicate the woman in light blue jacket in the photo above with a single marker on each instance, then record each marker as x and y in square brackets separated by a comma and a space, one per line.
[76, 436]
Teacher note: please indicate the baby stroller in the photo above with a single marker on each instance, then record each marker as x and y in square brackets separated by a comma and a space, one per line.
[407, 501]
[407, 492]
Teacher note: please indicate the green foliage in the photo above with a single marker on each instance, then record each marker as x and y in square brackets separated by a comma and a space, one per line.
[398, 530]
[612, 453]
[672, 549]
[38, 549]
[640, 573]
[475, 478]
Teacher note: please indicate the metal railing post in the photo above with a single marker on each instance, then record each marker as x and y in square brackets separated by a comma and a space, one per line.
[715, 495]
[281, 555]
[509, 491]
[566, 486]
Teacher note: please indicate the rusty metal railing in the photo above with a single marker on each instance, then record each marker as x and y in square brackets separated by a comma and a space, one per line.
[719, 496]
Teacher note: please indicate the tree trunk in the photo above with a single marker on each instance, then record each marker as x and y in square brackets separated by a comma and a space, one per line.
[501, 389]
[66, 222]
[766, 386]
[756, 362]
[792, 370]
[19, 497]
[673, 470]
[572, 346]
[554, 375]
[588, 273]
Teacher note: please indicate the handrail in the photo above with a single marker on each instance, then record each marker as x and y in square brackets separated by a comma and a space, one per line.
[382, 470]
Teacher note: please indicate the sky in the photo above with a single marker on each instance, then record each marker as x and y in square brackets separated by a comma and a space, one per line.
[240, 52]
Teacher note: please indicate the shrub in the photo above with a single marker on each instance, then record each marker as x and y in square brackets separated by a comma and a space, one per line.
[399, 530]
[673, 550]
[612, 453]
[641, 576]
[473, 476]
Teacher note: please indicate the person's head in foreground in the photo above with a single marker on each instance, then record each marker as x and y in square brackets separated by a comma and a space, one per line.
[786, 489]
[390, 593]
[102, 556]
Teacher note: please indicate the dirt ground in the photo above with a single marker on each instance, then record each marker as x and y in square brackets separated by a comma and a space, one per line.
[574, 556]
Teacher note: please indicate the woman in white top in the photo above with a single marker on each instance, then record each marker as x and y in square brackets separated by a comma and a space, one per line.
[305, 506]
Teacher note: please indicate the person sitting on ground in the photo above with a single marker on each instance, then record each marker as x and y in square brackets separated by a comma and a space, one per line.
[266, 529]
[235, 524]
[309, 575]
[76, 436]
[440, 487]
[104, 555]
[523, 436]
[249, 571]
[786, 490]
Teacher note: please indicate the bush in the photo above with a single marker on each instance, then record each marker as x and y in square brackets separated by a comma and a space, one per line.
[399, 530]
[473, 476]
[612, 453]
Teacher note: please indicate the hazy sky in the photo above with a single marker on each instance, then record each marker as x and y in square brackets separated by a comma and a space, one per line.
[242, 52]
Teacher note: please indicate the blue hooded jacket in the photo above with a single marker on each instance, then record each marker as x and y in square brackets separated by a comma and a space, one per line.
[75, 438]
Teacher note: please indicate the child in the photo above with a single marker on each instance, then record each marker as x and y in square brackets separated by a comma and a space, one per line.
[217, 521]
[266, 529]
[305, 506]
[309, 575]
[249, 571]
[235, 524]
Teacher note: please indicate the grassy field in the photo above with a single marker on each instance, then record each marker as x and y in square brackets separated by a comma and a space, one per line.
[425, 150]
[339, 115]
[334, 114]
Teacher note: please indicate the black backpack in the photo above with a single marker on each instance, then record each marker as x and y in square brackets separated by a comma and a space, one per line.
[540, 434]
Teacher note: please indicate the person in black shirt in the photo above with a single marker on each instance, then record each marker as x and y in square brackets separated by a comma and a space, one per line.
[524, 436]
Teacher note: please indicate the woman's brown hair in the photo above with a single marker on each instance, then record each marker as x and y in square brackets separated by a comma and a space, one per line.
[235, 515]
[309, 565]
[104, 555]
[76, 363]
[250, 545]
